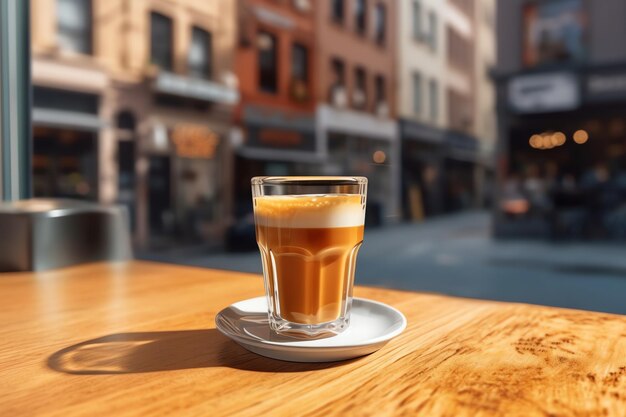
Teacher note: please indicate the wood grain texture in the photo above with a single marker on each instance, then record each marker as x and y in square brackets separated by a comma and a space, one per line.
[139, 339]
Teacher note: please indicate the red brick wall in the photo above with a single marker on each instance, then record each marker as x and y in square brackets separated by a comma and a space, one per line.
[246, 62]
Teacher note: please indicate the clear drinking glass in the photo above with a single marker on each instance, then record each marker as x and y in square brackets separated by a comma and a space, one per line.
[309, 230]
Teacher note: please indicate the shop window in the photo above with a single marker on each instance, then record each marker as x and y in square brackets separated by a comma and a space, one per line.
[74, 25]
[268, 62]
[161, 45]
[200, 54]
[299, 72]
[360, 16]
[65, 163]
[554, 32]
[337, 10]
[380, 23]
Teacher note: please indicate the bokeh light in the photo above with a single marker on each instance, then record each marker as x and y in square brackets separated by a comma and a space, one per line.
[379, 157]
[581, 136]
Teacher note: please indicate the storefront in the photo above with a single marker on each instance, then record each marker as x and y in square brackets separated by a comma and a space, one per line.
[423, 153]
[441, 171]
[183, 159]
[65, 144]
[273, 143]
[564, 163]
[465, 171]
[356, 143]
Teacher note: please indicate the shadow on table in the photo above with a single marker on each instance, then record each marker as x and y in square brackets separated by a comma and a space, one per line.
[127, 353]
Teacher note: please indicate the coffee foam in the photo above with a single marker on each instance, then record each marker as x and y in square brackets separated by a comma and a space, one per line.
[309, 211]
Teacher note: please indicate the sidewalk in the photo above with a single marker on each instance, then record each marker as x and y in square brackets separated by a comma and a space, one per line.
[455, 255]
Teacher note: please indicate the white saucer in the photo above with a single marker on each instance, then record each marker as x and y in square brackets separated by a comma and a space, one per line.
[372, 325]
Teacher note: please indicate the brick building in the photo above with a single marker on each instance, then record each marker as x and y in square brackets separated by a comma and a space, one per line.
[132, 104]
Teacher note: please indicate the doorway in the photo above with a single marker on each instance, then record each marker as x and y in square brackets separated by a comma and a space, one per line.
[159, 195]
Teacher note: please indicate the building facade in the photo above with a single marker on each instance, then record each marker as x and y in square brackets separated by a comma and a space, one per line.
[132, 104]
[275, 64]
[318, 85]
[356, 91]
[445, 104]
[561, 77]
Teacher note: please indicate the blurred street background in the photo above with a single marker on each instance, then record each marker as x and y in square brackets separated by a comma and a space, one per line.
[455, 255]
[493, 133]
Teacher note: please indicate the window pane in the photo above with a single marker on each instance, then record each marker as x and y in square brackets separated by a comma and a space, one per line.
[336, 90]
[434, 100]
[161, 41]
[432, 22]
[200, 54]
[268, 71]
[359, 93]
[299, 64]
[380, 89]
[380, 17]
[417, 20]
[417, 93]
[74, 25]
[338, 72]
[359, 15]
[337, 10]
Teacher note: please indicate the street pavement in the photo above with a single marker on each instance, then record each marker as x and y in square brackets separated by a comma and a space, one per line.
[455, 255]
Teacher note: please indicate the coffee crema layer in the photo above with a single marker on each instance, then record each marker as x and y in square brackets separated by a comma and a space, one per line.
[310, 211]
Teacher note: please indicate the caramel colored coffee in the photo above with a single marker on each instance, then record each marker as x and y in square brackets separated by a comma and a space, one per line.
[309, 246]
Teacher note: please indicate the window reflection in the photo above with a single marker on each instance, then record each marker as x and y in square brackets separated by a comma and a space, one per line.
[74, 23]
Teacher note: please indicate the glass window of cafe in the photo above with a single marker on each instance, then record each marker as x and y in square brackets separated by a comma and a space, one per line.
[568, 171]
[65, 161]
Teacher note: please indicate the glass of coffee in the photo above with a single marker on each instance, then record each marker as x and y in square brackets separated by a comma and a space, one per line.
[309, 230]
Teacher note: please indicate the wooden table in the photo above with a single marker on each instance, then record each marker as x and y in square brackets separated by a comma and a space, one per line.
[139, 339]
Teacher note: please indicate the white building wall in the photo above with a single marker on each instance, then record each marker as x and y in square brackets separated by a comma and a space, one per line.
[417, 55]
[486, 123]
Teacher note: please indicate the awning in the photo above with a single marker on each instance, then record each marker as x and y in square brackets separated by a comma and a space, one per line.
[420, 132]
[461, 146]
[68, 119]
[356, 123]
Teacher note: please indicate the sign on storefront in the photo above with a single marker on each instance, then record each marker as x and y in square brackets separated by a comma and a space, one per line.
[539, 93]
[194, 141]
[606, 86]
